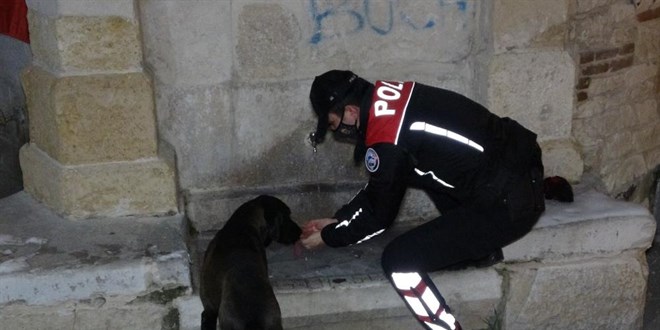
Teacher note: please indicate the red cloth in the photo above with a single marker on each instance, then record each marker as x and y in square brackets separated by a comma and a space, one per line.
[13, 19]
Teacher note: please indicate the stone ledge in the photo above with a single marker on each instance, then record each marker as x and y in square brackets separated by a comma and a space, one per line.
[47, 260]
[593, 224]
[601, 282]
[588, 253]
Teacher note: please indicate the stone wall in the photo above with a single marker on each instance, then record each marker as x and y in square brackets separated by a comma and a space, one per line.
[230, 81]
[232, 86]
[616, 118]
[93, 147]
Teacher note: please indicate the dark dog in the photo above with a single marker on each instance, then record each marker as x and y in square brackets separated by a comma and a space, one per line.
[234, 284]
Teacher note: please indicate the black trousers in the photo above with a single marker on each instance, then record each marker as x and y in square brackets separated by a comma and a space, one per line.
[507, 209]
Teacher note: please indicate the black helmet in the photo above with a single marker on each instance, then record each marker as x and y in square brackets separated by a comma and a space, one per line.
[328, 91]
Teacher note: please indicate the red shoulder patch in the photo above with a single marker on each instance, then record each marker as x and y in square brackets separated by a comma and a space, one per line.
[388, 108]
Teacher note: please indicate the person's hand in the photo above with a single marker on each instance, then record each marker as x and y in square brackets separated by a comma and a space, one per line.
[311, 233]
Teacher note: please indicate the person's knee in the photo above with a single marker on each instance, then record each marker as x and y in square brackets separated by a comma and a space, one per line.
[392, 259]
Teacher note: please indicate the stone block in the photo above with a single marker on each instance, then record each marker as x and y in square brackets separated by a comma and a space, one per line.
[105, 189]
[53, 8]
[29, 317]
[652, 158]
[267, 38]
[81, 44]
[584, 6]
[601, 293]
[647, 46]
[197, 122]
[606, 24]
[209, 209]
[190, 309]
[469, 293]
[618, 175]
[647, 112]
[592, 225]
[184, 51]
[123, 316]
[537, 24]
[77, 315]
[562, 157]
[91, 119]
[609, 85]
[536, 89]
[617, 146]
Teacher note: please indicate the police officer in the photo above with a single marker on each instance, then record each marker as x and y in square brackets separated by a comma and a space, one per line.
[483, 173]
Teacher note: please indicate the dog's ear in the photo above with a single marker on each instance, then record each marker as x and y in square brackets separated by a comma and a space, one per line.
[275, 214]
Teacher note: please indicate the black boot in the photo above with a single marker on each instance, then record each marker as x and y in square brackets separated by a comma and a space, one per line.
[424, 301]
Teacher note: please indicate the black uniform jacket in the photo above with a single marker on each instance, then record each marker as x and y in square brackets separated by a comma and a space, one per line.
[428, 138]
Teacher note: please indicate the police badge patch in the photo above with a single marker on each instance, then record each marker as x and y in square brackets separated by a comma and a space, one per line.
[371, 160]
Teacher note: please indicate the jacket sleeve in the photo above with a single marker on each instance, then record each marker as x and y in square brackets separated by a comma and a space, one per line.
[376, 206]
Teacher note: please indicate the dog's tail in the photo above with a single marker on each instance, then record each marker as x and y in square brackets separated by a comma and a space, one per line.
[558, 188]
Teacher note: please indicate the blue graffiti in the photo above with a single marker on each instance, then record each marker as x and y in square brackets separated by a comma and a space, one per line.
[361, 16]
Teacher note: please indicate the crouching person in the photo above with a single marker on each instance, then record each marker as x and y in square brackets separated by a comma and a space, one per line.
[483, 173]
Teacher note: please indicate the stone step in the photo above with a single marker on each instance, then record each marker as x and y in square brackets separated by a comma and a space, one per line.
[354, 302]
[578, 255]
[582, 267]
[119, 273]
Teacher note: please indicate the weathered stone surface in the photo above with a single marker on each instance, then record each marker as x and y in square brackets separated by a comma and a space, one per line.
[210, 209]
[535, 89]
[604, 23]
[536, 24]
[612, 84]
[341, 302]
[29, 317]
[592, 225]
[600, 282]
[618, 125]
[91, 119]
[592, 294]
[105, 315]
[78, 44]
[267, 38]
[197, 122]
[562, 157]
[188, 52]
[618, 175]
[53, 8]
[647, 46]
[104, 189]
[584, 6]
[104, 273]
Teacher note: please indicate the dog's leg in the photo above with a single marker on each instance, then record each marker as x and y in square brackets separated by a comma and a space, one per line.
[209, 320]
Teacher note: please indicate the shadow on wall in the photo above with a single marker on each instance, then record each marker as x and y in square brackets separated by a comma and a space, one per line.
[15, 55]
[13, 134]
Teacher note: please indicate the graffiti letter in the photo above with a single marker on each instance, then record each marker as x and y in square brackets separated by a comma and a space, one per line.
[318, 18]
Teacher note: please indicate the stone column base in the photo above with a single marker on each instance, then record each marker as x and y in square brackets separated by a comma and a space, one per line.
[112, 189]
